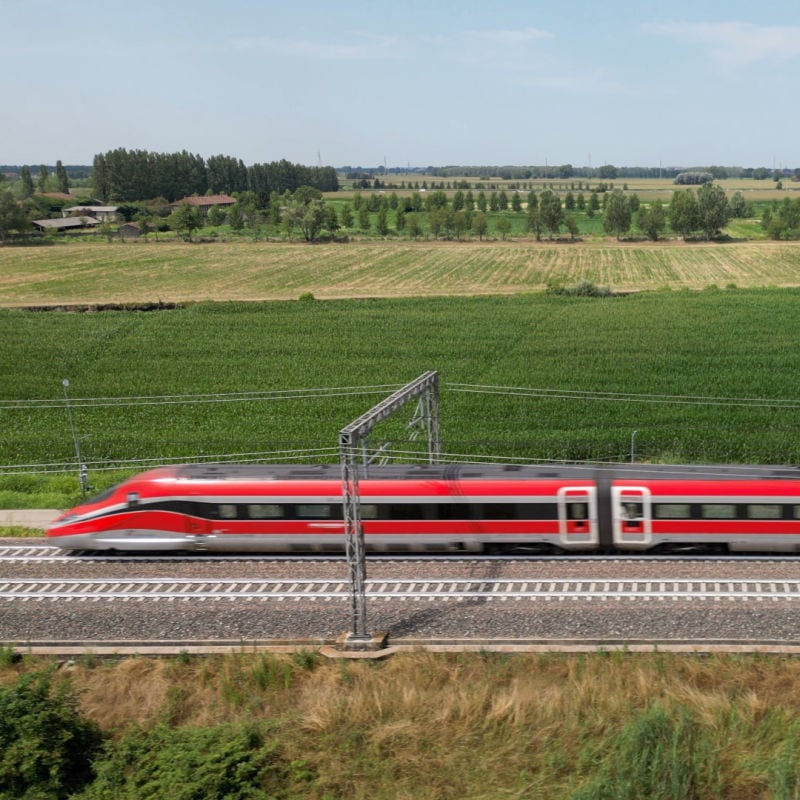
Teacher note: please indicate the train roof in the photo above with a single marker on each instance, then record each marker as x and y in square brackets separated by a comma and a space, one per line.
[483, 471]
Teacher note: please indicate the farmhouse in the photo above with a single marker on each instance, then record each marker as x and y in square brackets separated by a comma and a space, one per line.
[205, 202]
[98, 212]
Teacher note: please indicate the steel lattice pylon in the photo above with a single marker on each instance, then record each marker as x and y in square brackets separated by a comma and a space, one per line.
[352, 443]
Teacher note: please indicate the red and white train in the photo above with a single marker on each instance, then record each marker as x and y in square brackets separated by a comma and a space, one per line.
[444, 508]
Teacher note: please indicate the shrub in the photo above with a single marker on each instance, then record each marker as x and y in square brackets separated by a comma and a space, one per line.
[581, 289]
[661, 755]
[46, 746]
[227, 761]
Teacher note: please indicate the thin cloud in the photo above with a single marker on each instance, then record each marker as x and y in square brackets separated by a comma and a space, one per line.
[370, 47]
[513, 38]
[732, 45]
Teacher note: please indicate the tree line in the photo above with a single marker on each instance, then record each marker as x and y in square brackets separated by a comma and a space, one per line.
[690, 213]
[128, 175]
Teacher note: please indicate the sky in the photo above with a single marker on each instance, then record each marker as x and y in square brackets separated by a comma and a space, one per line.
[404, 82]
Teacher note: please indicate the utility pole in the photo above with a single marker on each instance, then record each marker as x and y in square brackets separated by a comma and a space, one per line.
[83, 471]
[352, 443]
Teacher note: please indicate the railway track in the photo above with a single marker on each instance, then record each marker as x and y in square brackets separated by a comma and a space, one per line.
[49, 553]
[415, 590]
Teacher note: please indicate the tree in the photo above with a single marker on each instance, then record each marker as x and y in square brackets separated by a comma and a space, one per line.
[27, 182]
[43, 176]
[62, 179]
[533, 221]
[363, 217]
[312, 219]
[331, 218]
[346, 216]
[216, 216]
[436, 221]
[382, 222]
[594, 205]
[572, 225]
[480, 225]
[652, 219]
[516, 202]
[236, 217]
[617, 217]
[712, 207]
[461, 222]
[413, 227]
[143, 217]
[782, 221]
[551, 212]
[12, 216]
[684, 214]
[503, 227]
[738, 207]
[185, 220]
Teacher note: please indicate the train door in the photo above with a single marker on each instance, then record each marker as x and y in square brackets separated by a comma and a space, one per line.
[631, 516]
[577, 516]
[196, 525]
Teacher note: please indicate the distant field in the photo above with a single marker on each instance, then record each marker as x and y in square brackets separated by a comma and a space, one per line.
[99, 272]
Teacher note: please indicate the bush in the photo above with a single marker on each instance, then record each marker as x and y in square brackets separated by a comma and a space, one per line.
[227, 761]
[581, 289]
[661, 755]
[46, 746]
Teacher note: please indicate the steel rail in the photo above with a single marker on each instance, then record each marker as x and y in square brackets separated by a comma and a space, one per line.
[484, 590]
[51, 553]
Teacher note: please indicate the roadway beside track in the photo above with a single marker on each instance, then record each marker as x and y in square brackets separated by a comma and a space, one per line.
[39, 518]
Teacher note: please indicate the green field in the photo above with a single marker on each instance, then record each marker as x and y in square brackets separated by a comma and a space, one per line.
[684, 370]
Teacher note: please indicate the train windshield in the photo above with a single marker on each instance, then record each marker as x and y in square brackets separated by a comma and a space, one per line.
[102, 496]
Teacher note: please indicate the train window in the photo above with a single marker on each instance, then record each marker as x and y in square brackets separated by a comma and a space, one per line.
[264, 511]
[632, 510]
[536, 511]
[797, 512]
[718, 511]
[368, 511]
[406, 511]
[764, 511]
[672, 511]
[227, 511]
[314, 510]
[499, 511]
[577, 510]
[452, 511]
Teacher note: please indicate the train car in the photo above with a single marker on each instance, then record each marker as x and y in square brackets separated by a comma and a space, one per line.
[237, 508]
[444, 508]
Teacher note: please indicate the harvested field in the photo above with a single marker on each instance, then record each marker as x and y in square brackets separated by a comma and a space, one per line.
[91, 273]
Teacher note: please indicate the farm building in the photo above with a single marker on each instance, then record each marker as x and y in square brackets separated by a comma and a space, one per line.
[129, 230]
[70, 223]
[205, 202]
[98, 212]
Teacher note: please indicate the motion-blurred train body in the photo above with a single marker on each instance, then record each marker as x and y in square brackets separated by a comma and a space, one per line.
[444, 508]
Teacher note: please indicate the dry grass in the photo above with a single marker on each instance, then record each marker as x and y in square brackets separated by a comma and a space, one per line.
[179, 272]
[463, 726]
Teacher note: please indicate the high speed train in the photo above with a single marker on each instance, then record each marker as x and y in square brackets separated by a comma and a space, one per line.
[444, 508]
